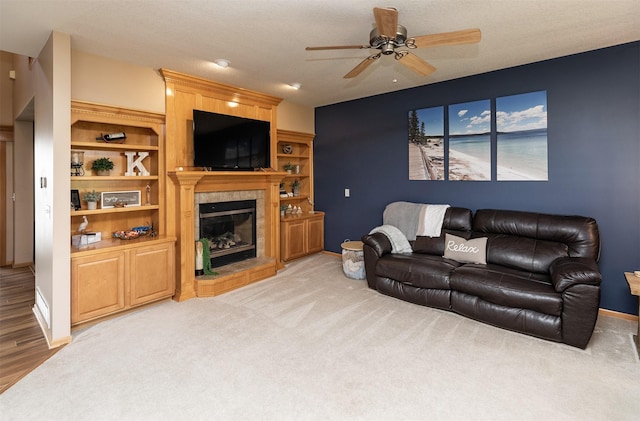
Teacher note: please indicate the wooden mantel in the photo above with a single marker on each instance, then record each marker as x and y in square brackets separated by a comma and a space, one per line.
[190, 182]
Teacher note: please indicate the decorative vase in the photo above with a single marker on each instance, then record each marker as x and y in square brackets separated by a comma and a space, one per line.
[92, 205]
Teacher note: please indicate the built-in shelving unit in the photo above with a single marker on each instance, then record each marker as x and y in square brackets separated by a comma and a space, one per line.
[113, 275]
[301, 233]
[296, 149]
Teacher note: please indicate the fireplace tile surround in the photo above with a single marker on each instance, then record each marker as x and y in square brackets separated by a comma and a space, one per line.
[194, 187]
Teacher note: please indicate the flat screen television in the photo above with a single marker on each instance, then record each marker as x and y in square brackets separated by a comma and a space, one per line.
[225, 143]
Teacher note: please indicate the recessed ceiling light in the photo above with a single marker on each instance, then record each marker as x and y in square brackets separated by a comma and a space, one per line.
[295, 85]
[221, 62]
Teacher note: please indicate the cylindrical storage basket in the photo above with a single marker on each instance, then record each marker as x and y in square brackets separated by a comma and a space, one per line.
[353, 259]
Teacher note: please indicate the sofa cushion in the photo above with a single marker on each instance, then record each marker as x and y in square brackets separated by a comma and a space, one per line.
[466, 251]
[419, 270]
[524, 253]
[508, 287]
[435, 245]
[580, 234]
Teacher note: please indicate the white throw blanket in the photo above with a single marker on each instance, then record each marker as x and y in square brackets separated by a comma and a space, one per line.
[415, 218]
[431, 219]
[399, 243]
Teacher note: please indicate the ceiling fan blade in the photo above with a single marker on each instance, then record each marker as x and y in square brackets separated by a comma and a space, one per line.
[465, 36]
[386, 21]
[415, 63]
[338, 47]
[361, 66]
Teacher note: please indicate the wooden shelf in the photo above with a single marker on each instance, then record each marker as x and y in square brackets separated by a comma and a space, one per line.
[283, 156]
[142, 208]
[294, 198]
[113, 146]
[113, 244]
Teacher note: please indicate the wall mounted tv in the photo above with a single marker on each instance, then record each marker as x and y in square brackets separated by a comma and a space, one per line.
[227, 143]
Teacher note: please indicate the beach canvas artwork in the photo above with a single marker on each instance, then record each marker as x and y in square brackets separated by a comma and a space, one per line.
[521, 124]
[470, 141]
[426, 144]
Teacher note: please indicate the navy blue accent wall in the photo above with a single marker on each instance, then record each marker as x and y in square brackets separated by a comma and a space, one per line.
[593, 103]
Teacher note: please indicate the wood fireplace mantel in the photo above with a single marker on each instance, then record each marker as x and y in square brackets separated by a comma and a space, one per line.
[190, 182]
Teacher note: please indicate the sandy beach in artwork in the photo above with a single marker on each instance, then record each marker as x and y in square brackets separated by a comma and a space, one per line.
[426, 163]
[466, 167]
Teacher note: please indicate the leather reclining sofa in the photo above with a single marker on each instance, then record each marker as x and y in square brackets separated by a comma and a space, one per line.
[541, 275]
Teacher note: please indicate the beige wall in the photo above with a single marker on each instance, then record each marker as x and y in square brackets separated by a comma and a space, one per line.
[24, 87]
[6, 89]
[296, 117]
[52, 130]
[23, 185]
[106, 81]
[18, 168]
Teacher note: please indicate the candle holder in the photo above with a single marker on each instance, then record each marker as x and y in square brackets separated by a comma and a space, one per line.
[77, 161]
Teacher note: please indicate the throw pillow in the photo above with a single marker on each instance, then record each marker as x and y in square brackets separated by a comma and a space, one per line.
[465, 251]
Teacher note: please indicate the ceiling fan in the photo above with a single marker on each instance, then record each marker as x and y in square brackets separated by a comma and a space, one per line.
[387, 36]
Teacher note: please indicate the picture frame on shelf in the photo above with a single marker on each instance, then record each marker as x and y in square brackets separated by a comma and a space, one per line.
[119, 199]
[75, 200]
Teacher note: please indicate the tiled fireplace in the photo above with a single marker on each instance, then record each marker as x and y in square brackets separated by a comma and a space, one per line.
[194, 188]
[233, 224]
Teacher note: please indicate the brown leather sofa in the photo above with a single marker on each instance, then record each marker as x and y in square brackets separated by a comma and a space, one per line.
[541, 275]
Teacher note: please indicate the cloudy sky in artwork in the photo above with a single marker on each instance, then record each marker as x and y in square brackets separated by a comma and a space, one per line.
[470, 118]
[522, 112]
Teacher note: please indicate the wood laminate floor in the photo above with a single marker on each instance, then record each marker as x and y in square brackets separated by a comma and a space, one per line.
[22, 343]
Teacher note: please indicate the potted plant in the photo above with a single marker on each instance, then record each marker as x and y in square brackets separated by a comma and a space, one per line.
[295, 186]
[102, 166]
[91, 197]
[288, 167]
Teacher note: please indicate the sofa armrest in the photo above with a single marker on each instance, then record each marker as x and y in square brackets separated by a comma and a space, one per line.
[569, 271]
[378, 242]
[374, 247]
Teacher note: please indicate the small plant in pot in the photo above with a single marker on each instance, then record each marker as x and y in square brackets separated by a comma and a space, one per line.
[295, 187]
[288, 167]
[102, 166]
[91, 197]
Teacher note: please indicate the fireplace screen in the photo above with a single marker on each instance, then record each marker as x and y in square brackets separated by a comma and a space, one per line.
[230, 229]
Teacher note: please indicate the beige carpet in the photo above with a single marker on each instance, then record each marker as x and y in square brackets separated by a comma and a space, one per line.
[311, 344]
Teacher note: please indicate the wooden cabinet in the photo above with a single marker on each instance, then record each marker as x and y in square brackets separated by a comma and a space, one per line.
[97, 285]
[301, 235]
[105, 282]
[112, 275]
[296, 150]
[151, 270]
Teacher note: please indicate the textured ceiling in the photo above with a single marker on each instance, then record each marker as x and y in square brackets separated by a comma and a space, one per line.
[265, 40]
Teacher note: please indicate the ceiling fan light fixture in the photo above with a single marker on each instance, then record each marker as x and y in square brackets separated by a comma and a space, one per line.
[221, 62]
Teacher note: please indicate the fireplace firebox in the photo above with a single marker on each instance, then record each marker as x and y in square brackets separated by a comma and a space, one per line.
[230, 229]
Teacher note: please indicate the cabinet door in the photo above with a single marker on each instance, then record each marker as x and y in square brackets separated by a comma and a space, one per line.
[315, 235]
[294, 239]
[97, 285]
[151, 273]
